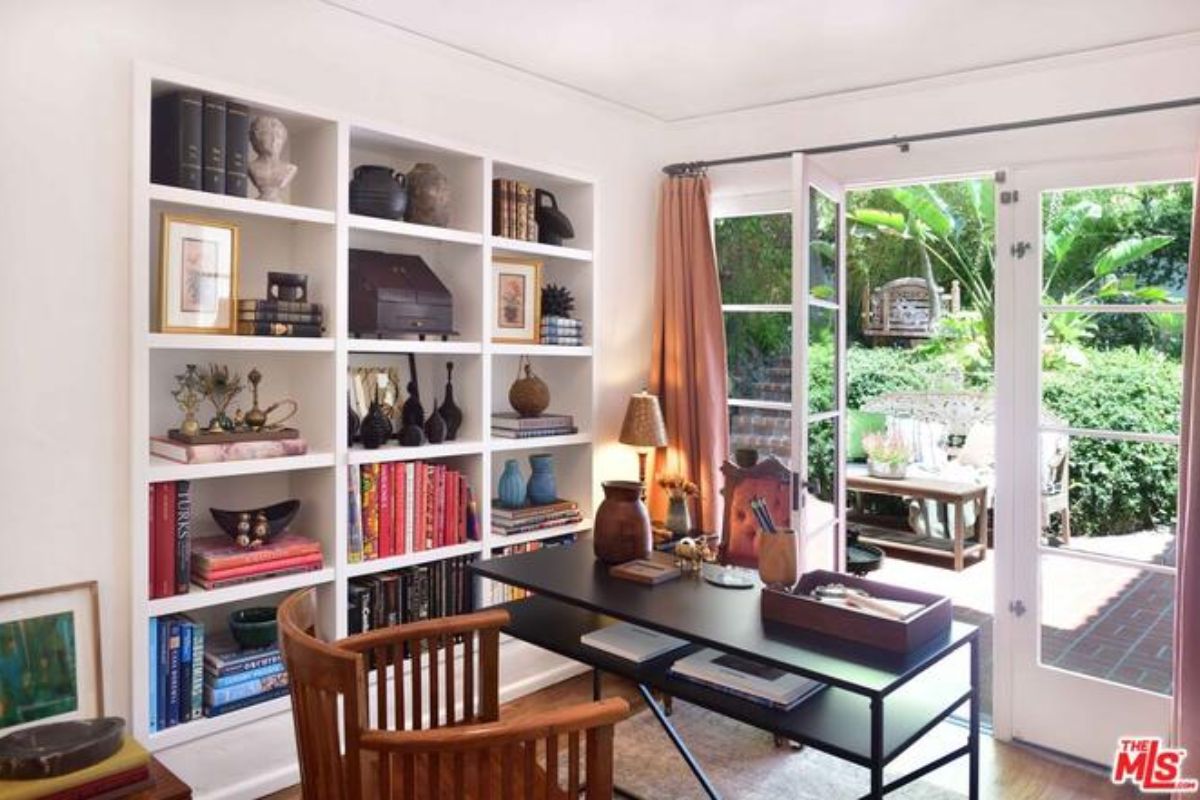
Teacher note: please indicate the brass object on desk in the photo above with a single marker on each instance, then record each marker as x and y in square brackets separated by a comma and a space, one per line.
[691, 554]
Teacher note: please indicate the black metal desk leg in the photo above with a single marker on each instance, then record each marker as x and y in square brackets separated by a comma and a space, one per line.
[688, 758]
[876, 748]
[973, 732]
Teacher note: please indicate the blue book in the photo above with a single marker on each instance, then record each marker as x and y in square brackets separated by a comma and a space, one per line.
[238, 705]
[173, 637]
[152, 649]
[185, 669]
[240, 691]
[215, 681]
[197, 678]
[160, 683]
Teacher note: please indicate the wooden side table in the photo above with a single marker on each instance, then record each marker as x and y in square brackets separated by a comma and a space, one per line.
[167, 785]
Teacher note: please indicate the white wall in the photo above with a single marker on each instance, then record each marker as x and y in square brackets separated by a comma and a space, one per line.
[64, 227]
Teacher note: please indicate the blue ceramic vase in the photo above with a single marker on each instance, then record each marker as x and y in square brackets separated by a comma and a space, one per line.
[511, 490]
[541, 483]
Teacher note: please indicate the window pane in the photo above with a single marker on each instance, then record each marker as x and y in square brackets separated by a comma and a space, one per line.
[766, 431]
[1116, 244]
[759, 350]
[754, 259]
[1119, 372]
[822, 464]
[822, 359]
[1110, 622]
[823, 243]
[1113, 498]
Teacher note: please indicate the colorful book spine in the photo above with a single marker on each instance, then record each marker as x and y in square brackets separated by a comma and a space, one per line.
[164, 547]
[224, 681]
[197, 677]
[152, 650]
[370, 506]
[355, 531]
[246, 689]
[267, 567]
[410, 507]
[387, 544]
[238, 705]
[400, 484]
[185, 670]
[152, 538]
[221, 583]
[173, 643]
[183, 526]
[222, 667]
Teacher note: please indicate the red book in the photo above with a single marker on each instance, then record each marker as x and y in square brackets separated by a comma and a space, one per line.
[387, 542]
[220, 552]
[400, 482]
[164, 540]
[210, 584]
[430, 499]
[464, 508]
[419, 507]
[152, 584]
[265, 567]
[439, 505]
[451, 495]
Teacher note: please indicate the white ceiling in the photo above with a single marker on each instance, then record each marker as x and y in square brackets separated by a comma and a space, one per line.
[675, 59]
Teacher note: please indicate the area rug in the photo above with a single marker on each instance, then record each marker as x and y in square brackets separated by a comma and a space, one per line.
[744, 763]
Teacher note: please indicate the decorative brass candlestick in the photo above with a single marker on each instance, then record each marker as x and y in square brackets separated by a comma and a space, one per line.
[188, 394]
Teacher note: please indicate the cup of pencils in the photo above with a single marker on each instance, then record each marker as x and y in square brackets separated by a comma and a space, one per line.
[778, 549]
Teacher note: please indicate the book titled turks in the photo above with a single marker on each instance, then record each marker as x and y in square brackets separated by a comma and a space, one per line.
[645, 570]
[632, 642]
[237, 146]
[164, 536]
[183, 453]
[746, 678]
[183, 526]
[213, 138]
[176, 140]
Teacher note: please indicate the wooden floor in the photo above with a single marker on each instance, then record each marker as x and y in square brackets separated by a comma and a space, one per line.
[1008, 772]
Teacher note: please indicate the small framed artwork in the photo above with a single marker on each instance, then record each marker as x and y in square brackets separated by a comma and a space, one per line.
[50, 656]
[517, 289]
[198, 276]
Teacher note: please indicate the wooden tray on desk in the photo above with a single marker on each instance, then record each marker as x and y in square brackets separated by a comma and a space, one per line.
[797, 609]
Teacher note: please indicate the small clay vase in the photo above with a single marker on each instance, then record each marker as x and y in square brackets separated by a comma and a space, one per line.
[376, 428]
[376, 191]
[529, 395]
[428, 196]
[621, 531]
[450, 411]
[435, 427]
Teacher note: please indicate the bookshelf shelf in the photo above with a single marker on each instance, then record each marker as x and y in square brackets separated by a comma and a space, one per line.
[502, 245]
[377, 565]
[193, 198]
[313, 235]
[197, 597]
[160, 469]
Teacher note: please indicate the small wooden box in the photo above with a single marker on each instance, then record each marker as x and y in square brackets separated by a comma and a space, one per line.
[798, 609]
[393, 295]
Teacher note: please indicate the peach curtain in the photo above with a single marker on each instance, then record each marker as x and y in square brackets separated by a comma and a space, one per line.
[687, 369]
[1187, 580]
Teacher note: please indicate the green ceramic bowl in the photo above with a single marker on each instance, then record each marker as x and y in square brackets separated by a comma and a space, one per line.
[254, 627]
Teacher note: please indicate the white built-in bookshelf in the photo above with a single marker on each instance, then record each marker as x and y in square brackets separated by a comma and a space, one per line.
[312, 233]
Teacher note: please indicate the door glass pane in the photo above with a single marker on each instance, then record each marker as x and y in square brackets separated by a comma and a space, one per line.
[754, 259]
[823, 467]
[823, 243]
[759, 352]
[1117, 244]
[823, 358]
[767, 431]
[1108, 497]
[1107, 621]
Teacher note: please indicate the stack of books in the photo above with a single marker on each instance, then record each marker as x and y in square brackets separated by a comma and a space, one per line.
[406, 507]
[170, 532]
[126, 773]
[236, 677]
[177, 650]
[562, 331]
[280, 318]
[200, 142]
[513, 210]
[509, 521]
[752, 680]
[510, 425]
[439, 589]
[495, 592]
[218, 561]
[632, 642]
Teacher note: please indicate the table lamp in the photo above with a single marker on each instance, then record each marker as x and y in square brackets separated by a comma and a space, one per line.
[643, 428]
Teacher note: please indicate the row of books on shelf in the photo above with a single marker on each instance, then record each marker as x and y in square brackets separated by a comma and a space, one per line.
[427, 591]
[513, 210]
[562, 331]
[495, 592]
[406, 507]
[193, 677]
[510, 521]
[126, 773]
[280, 318]
[170, 535]
[200, 142]
[510, 425]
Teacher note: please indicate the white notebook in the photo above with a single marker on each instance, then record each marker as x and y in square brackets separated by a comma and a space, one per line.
[631, 642]
[745, 677]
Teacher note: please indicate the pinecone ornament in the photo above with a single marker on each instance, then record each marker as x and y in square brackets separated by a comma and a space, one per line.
[557, 301]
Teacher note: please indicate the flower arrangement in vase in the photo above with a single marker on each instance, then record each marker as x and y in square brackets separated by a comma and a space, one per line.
[678, 489]
[888, 455]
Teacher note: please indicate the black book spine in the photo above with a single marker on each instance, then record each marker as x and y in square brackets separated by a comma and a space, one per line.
[214, 144]
[175, 140]
[237, 143]
[183, 544]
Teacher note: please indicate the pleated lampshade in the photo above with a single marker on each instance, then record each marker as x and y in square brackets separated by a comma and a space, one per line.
[643, 425]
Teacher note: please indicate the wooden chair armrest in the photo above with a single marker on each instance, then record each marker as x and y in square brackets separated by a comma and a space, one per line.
[492, 619]
[584, 716]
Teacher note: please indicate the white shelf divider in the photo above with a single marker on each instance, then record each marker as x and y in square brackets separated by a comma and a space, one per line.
[239, 205]
[377, 565]
[502, 245]
[207, 726]
[251, 344]
[501, 540]
[427, 452]
[197, 597]
[160, 469]
[502, 445]
[434, 346]
[431, 233]
[566, 351]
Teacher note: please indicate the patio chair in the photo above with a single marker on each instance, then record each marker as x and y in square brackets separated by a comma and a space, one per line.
[903, 309]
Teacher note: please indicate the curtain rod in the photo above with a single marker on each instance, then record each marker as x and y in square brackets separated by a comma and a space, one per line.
[903, 142]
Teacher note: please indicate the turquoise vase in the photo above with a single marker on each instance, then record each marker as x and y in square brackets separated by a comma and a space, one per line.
[541, 482]
[511, 490]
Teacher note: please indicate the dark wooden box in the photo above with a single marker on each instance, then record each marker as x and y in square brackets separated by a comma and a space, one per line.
[798, 609]
[394, 295]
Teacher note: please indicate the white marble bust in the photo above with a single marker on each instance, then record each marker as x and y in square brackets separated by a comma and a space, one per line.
[268, 171]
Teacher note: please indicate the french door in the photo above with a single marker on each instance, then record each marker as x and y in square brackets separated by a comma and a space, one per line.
[1088, 488]
[819, 365]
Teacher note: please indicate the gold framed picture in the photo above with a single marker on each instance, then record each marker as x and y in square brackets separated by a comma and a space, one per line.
[50, 667]
[197, 276]
[517, 305]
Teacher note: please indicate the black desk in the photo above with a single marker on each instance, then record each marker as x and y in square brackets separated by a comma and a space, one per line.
[877, 704]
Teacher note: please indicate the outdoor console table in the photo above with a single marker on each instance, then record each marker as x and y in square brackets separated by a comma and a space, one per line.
[957, 494]
[876, 704]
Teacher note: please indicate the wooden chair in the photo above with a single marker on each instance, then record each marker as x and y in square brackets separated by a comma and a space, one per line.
[770, 479]
[434, 732]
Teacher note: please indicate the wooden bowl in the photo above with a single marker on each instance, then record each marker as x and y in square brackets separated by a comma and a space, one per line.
[254, 628]
[279, 516]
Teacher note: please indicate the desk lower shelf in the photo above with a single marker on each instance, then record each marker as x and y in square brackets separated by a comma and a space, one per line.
[835, 720]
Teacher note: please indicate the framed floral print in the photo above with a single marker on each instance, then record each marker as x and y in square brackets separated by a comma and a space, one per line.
[198, 276]
[517, 299]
